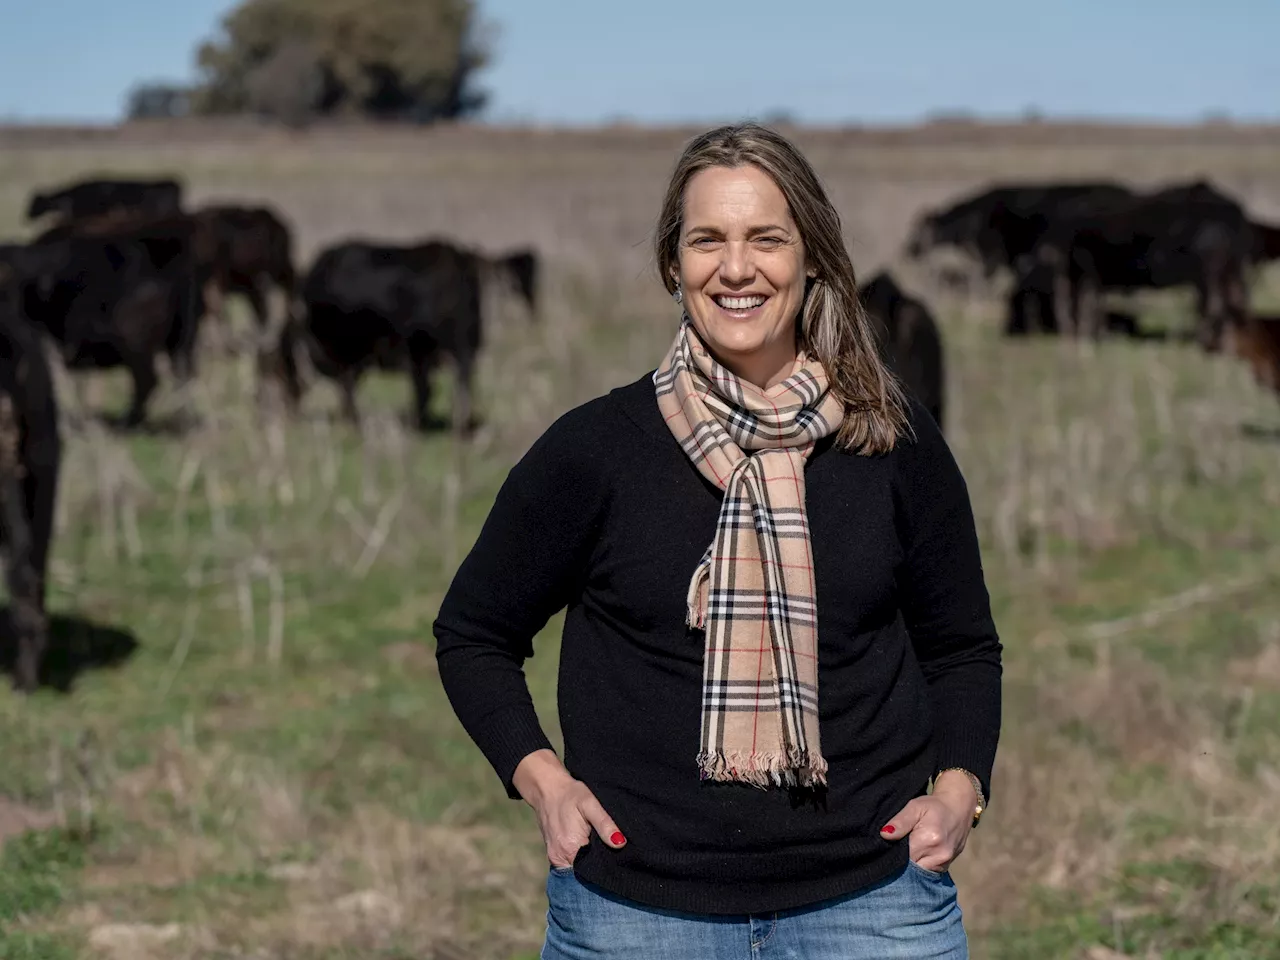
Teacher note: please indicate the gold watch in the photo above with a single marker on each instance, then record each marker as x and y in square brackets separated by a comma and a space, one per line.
[977, 789]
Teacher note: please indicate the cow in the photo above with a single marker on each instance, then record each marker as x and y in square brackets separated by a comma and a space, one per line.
[1186, 234]
[1256, 340]
[909, 340]
[251, 252]
[30, 459]
[364, 304]
[117, 299]
[105, 197]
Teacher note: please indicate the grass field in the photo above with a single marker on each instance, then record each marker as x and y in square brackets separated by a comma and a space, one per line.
[254, 757]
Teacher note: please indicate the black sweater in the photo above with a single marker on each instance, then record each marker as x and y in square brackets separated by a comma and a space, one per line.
[605, 516]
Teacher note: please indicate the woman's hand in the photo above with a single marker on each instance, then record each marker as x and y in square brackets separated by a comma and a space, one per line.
[567, 811]
[937, 825]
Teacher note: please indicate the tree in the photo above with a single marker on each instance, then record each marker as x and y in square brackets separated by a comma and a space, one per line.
[408, 59]
[149, 101]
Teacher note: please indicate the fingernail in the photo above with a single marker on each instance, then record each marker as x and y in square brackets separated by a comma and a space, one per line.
[889, 829]
[617, 839]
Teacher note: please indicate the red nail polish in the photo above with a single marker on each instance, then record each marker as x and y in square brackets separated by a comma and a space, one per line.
[889, 829]
[617, 838]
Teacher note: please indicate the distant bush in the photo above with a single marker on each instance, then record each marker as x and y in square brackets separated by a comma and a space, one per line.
[149, 101]
[297, 59]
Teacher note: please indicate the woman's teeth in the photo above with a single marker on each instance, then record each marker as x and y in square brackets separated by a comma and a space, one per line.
[740, 303]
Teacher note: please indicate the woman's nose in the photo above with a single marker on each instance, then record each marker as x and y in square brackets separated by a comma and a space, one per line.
[737, 265]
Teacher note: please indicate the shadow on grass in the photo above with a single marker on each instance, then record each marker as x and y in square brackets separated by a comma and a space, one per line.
[1256, 431]
[75, 645]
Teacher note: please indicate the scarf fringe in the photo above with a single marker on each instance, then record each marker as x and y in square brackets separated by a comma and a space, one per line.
[792, 768]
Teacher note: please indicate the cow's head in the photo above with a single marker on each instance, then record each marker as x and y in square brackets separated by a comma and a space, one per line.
[923, 238]
[39, 206]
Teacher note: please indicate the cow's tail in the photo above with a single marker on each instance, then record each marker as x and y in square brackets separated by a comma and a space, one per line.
[519, 268]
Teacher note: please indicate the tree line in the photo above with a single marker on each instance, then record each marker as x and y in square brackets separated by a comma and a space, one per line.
[297, 60]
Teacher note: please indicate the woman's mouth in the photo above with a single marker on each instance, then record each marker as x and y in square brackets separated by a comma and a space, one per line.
[740, 307]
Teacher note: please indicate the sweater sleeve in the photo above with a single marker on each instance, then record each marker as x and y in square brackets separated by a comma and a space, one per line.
[945, 602]
[524, 567]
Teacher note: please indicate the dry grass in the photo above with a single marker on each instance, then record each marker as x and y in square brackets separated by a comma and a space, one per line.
[275, 772]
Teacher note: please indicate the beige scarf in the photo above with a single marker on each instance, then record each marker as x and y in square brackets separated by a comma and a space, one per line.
[753, 592]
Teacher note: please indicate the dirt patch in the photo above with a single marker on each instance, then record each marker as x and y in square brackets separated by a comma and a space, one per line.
[17, 818]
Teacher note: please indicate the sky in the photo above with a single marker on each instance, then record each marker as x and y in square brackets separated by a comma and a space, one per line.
[655, 61]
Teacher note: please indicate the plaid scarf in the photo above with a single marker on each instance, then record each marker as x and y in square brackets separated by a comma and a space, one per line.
[753, 591]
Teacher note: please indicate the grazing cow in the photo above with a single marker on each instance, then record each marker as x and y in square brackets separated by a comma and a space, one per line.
[117, 299]
[252, 250]
[1256, 340]
[1186, 234]
[98, 198]
[30, 456]
[365, 304]
[909, 340]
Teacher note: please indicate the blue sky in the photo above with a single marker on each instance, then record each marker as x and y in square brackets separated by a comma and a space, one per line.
[827, 61]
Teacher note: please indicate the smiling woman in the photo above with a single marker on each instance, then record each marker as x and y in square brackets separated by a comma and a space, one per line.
[780, 679]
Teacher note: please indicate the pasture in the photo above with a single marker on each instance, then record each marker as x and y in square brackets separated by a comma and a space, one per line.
[253, 756]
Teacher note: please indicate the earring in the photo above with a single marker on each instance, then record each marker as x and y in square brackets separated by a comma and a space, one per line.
[678, 295]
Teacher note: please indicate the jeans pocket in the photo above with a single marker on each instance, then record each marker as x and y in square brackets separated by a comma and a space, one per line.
[561, 871]
[928, 874]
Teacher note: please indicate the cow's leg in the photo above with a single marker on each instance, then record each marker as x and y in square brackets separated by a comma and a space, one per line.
[215, 298]
[26, 595]
[1210, 306]
[463, 416]
[1235, 294]
[1064, 303]
[258, 302]
[142, 367]
[1088, 308]
[347, 381]
[421, 364]
[1016, 323]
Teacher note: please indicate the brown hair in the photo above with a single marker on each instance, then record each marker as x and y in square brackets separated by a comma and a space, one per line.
[834, 328]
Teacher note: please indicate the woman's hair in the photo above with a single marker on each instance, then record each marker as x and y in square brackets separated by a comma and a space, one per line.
[834, 328]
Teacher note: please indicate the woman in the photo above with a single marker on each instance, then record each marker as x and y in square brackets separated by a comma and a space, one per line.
[777, 630]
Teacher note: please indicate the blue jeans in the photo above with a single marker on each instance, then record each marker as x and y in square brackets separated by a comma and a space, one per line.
[912, 914]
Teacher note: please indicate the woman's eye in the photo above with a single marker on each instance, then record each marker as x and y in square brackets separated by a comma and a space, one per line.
[769, 241]
[704, 241]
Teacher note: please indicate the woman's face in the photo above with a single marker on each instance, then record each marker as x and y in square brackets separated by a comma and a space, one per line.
[741, 269]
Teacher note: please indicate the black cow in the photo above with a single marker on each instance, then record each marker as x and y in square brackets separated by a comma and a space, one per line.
[909, 340]
[365, 304]
[1187, 234]
[105, 197]
[117, 299]
[30, 457]
[252, 250]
